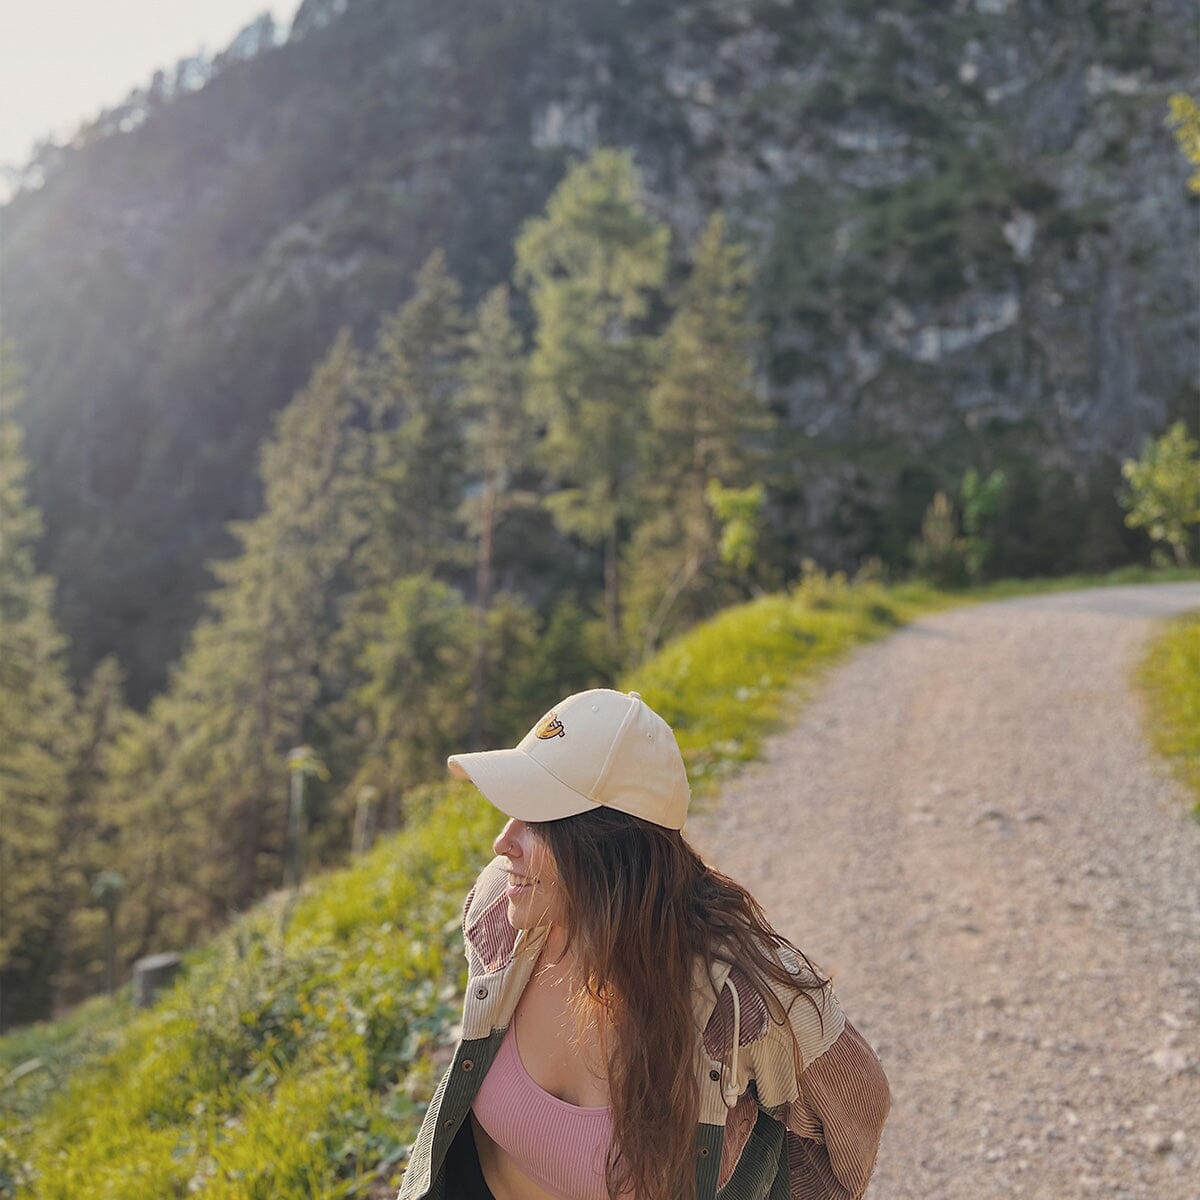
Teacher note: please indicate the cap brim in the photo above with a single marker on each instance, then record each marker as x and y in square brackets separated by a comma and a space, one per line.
[518, 785]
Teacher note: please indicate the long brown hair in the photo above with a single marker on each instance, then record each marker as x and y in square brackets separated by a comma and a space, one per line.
[639, 905]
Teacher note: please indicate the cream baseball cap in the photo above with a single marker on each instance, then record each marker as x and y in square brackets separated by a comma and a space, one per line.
[595, 749]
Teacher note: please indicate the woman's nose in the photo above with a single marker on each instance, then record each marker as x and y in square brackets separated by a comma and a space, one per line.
[505, 843]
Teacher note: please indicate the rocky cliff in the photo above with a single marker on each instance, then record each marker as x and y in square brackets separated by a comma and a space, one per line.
[974, 243]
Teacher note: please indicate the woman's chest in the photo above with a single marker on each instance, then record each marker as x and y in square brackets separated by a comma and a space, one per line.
[562, 1053]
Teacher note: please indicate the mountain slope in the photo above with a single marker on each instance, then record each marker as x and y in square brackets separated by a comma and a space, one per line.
[967, 223]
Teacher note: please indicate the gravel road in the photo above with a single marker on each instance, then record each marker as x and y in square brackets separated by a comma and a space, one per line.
[965, 826]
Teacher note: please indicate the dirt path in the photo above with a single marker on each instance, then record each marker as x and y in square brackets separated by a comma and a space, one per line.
[965, 826]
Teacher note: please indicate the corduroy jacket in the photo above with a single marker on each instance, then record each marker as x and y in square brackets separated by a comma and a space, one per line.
[764, 1133]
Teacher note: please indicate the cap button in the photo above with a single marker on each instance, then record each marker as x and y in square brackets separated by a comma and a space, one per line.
[635, 695]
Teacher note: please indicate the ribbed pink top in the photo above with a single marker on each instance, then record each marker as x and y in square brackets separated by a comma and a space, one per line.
[560, 1146]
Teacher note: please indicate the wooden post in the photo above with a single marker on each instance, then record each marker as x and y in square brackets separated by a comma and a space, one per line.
[106, 891]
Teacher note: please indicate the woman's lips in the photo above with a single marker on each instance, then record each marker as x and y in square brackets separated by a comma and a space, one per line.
[518, 889]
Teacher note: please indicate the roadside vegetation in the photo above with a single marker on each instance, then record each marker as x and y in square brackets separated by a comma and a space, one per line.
[1169, 677]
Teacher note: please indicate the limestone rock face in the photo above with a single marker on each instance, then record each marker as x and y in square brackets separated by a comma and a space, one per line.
[971, 225]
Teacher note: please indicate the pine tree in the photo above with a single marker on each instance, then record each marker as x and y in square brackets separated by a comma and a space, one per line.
[414, 473]
[84, 838]
[408, 498]
[415, 676]
[37, 721]
[155, 799]
[208, 769]
[592, 264]
[499, 442]
[707, 427]
[940, 554]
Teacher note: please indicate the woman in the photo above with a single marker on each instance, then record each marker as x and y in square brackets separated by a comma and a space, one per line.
[633, 1026]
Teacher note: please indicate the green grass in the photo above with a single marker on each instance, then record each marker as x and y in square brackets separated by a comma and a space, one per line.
[1169, 678]
[294, 1054]
[291, 1058]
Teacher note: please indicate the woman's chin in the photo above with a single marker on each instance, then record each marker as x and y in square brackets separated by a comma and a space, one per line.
[524, 916]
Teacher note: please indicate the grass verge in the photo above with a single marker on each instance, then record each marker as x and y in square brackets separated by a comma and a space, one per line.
[1169, 678]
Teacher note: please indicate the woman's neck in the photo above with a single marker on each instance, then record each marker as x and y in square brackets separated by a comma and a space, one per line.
[557, 960]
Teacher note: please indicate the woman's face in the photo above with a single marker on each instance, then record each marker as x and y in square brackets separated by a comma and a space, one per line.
[535, 891]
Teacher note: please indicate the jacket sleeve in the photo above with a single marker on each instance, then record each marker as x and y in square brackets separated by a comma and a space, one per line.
[815, 1073]
[834, 1125]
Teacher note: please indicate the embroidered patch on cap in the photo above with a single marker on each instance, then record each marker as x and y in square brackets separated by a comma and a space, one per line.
[550, 727]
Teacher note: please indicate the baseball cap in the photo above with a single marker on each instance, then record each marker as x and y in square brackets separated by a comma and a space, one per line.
[595, 749]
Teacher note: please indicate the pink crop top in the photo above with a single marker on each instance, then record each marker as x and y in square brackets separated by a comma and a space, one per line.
[562, 1147]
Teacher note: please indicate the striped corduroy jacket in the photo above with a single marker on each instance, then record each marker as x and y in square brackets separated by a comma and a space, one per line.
[764, 1134]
